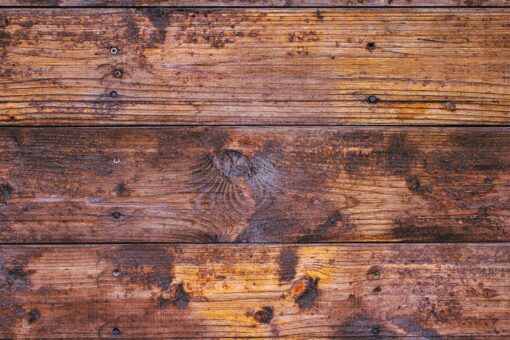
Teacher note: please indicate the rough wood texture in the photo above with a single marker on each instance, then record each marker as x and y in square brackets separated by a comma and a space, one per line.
[236, 66]
[257, 3]
[149, 291]
[254, 184]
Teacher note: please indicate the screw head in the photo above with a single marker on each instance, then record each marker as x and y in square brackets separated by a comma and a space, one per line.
[117, 73]
[116, 160]
[376, 274]
[114, 50]
[372, 99]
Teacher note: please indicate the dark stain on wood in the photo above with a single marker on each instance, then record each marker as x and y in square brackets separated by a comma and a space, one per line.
[33, 316]
[120, 189]
[413, 328]
[331, 222]
[399, 154]
[5, 192]
[147, 265]
[15, 275]
[363, 325]
[181, 299]
[287, 262]
[177, 296]
[160, 19]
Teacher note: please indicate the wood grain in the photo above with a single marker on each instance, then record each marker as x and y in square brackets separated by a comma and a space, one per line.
[300, 292]
[257, 3]
[249, 66]
[273, 184]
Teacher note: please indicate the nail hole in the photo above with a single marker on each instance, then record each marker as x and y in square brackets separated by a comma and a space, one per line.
[116, 331]
[117, 73]
[114, 94]
[116, 215]
[376, 330]
[372, 99]
[114, 50]
[371, 46]
[116, 160]
[116, 272]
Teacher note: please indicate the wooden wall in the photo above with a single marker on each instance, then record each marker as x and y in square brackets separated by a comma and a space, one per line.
[254, 169]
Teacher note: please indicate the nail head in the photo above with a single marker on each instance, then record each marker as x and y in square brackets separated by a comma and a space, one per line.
[116, 272]
[117, 73]
[116, 331]
[372, 99]
[116, 160]
[114, 94]
[114, 50]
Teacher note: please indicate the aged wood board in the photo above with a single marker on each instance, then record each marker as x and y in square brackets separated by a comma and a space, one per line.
[254, 184]
[219, 291]
[154, 66]
[194, 172]
[257, 3]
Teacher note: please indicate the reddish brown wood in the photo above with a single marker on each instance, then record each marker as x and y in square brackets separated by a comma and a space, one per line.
[220, 291]
[275, 184]
[254, 66]
[257, 3]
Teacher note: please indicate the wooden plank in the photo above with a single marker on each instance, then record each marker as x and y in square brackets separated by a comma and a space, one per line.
[257, 3]
[273, 184]
[235, 66]
[306, 292]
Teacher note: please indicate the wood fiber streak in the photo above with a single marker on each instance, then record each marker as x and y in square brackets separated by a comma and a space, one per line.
[249, 66]
[375, 291]
[257, 3]
[256, 184]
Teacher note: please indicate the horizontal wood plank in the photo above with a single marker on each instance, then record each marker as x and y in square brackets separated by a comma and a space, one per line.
[272, 184]
[146, 291]
[249, 66]
[257, 3]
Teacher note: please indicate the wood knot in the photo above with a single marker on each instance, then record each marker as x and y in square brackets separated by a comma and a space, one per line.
[264, 315]
[232, 163]
[305, 291]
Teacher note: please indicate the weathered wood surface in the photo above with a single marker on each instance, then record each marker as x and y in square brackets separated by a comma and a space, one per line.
[235, 66]
[305, 292]
[272, 184]
[257, 3]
